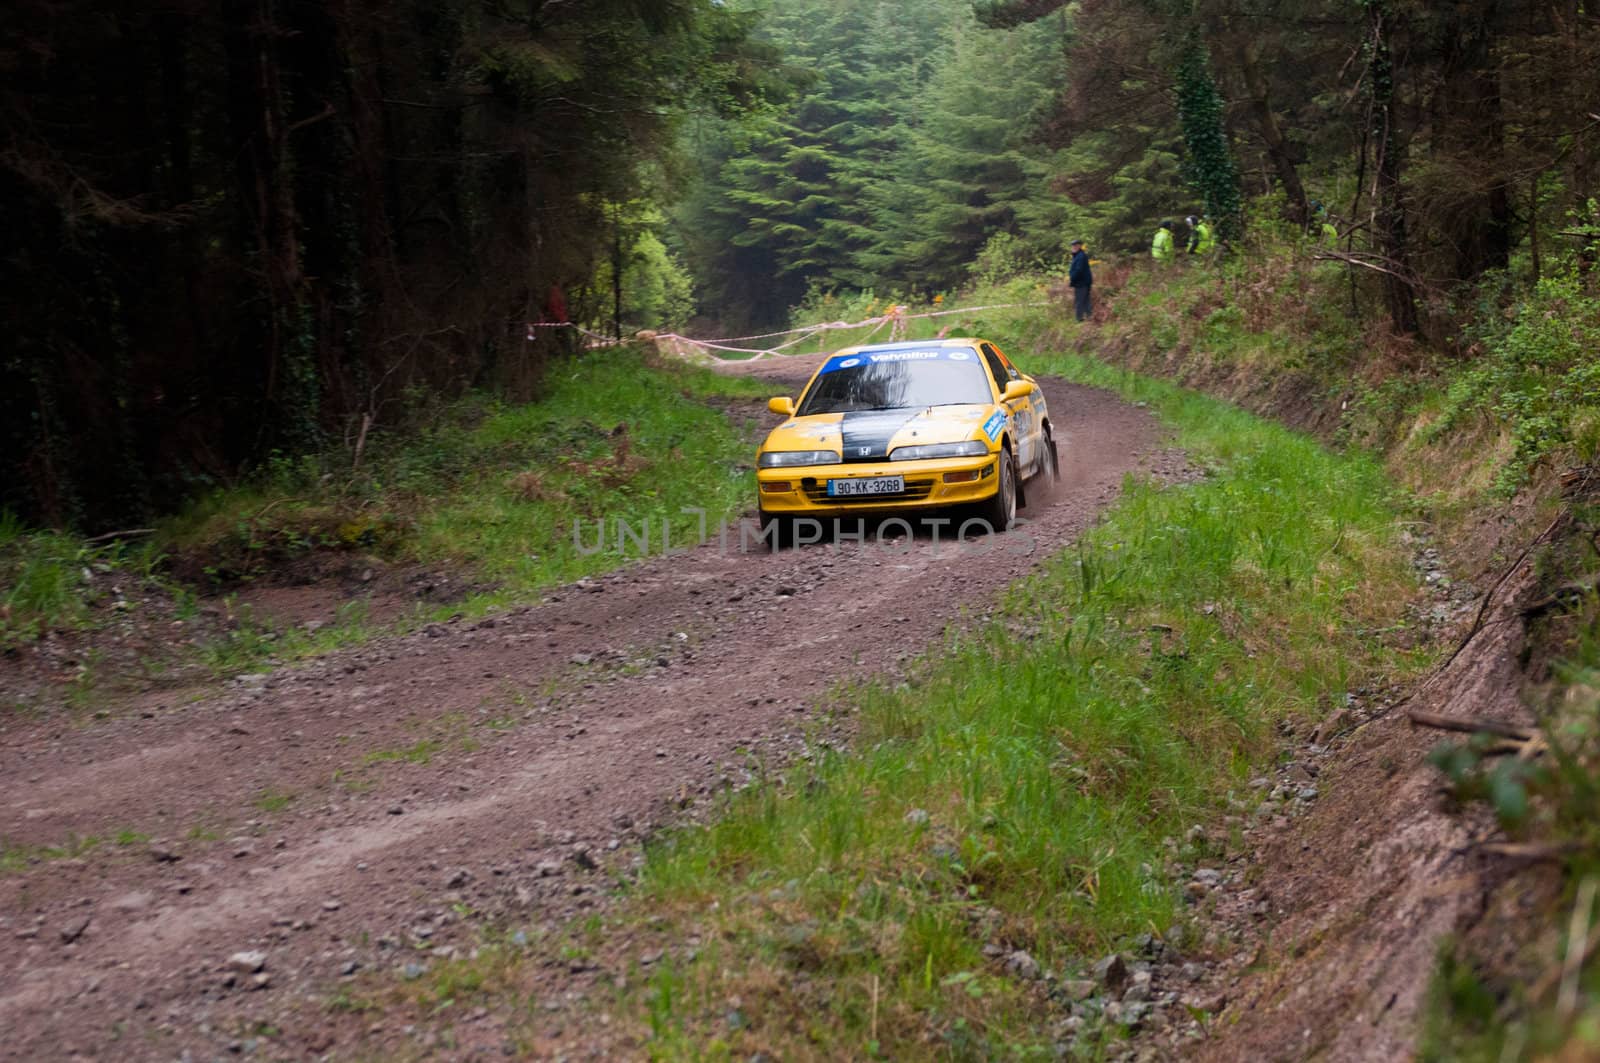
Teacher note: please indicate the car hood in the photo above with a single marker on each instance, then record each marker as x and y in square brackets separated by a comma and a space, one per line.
[870, 435]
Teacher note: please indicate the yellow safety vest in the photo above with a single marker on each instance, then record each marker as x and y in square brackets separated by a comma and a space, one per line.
[1161, 246]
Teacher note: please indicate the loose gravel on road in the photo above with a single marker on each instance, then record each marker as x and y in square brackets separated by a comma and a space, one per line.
[243, 854]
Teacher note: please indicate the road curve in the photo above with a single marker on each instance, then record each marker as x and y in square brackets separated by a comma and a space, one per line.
[331, 815]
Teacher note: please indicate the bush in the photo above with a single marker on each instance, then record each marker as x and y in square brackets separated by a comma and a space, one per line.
[1540, 373]
[1004, 257]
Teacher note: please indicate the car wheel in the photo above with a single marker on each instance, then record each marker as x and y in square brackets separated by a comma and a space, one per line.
[1051, 466]
[1001, 509]
[777, 529]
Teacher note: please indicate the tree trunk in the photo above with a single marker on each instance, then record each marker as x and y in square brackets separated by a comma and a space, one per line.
[264, 168]
[1279, 151]
[1389, 212]
[1208, 160]
[616, 273]
[1471, 137]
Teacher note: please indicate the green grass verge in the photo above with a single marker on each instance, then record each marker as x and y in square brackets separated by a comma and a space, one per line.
[1029, 786]
[1040, 766]
[496, 488]
[47, 578]
[487, 491]
[614, 440]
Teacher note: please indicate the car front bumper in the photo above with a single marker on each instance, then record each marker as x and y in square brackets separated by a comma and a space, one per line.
[932, 484]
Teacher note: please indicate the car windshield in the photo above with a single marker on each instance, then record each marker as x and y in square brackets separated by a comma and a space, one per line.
[888, 380]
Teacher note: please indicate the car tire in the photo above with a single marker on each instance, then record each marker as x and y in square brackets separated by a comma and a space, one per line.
[1000, 510]
[778, 530]
[1050, 468]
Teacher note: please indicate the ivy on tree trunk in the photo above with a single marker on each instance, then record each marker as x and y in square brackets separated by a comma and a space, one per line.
[1209, 165]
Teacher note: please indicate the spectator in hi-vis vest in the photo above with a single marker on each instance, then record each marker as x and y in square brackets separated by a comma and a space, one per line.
[1321, 228]
[1081, 278]
[1161, 247]
[1201, 237]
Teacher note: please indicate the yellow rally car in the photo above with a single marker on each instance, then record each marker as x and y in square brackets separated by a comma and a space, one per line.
[900, 428]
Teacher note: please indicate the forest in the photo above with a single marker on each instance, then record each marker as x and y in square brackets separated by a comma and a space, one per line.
[246, 230]
[340, 333]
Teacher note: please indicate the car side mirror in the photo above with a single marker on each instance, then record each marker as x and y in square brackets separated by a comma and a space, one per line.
[782, 404]
[1017, 389]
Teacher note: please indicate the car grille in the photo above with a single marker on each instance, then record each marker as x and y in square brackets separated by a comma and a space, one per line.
[916, 490]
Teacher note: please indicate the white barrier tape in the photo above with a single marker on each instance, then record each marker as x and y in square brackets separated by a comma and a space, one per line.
[805, 333]
[785, 332]
[974, 309]
[897, 316]
[898, 320]
[602, 339]
[859, 324]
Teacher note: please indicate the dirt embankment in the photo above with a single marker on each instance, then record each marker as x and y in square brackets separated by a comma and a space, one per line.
[240, 856]
[1328, 936]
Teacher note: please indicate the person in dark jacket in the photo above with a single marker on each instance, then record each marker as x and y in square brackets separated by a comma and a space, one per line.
[1081, 278]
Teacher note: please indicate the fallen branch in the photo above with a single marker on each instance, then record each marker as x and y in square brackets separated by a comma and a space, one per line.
[1354, 259]
[127, 533]
[1472, 726]
[1532, 851]
[1563, 595]
[1479, 621]
[327, 112]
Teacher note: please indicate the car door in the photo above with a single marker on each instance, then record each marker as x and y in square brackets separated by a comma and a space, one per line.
[1024, 419]
[1038, 413]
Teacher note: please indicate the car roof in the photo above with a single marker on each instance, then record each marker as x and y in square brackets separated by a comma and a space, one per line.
[912, 345]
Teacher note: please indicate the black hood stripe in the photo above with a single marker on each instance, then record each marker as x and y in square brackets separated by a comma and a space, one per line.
[865, 434]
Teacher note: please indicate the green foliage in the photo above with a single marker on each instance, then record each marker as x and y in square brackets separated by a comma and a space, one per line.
[973, 173]
[1481, 1006]
[1503, 784]
[657, 291]
[1120, 214]
[906, 147]
[1539, 372]
[1532, 370]
[1461, 1010]
[1004, 257]
[48, 579]
[497, 486]
[337, 240]
[509, 494]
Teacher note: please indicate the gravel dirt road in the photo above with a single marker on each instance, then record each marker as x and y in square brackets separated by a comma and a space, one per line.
[243, 854]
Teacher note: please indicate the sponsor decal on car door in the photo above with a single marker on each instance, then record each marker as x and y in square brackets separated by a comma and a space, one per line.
[1022, 427]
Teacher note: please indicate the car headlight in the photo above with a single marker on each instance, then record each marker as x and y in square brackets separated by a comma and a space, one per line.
[972, 448]
[781, 459]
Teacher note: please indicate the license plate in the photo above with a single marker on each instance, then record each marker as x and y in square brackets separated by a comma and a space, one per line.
[866, 485]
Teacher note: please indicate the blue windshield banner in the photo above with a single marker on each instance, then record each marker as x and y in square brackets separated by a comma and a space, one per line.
[931, 354]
